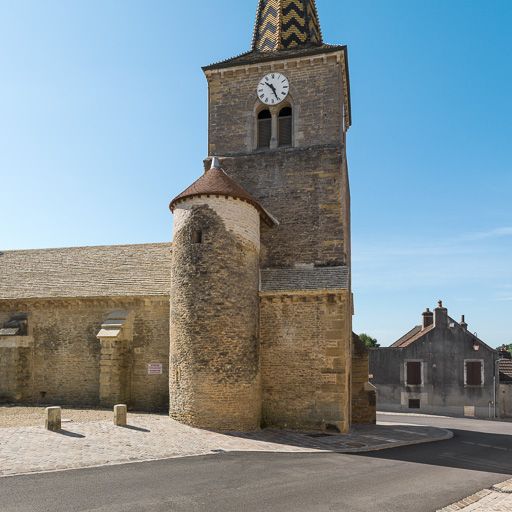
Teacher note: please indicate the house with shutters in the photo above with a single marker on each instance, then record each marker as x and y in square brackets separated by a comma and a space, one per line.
[438, 367]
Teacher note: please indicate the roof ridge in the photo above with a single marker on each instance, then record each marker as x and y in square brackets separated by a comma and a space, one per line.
[63, 248]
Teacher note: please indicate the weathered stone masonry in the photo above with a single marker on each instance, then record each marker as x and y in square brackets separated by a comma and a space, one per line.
[255, 297]
[215, 367]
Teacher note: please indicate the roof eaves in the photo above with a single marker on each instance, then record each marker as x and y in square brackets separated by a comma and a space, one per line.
[276, 55]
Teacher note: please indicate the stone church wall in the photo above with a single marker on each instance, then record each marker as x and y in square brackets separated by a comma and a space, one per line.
[305, 360]
[316, 94]
[61, 363]
[309, 207]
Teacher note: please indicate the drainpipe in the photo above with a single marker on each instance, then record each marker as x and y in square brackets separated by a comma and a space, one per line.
[496, 383]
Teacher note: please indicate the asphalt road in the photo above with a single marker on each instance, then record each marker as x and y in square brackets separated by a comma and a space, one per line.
[419, 478]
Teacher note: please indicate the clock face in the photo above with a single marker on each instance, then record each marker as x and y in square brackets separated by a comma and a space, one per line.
[273, 88]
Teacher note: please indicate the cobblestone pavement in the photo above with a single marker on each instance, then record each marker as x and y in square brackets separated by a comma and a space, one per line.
[16, 416]
[28, 449]
[496, 499]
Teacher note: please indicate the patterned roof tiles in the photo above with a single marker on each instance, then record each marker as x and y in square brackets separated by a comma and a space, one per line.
[286, 24]
[78, 272]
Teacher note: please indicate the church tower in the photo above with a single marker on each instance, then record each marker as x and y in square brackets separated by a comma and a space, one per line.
[261, 312]
[278, 119]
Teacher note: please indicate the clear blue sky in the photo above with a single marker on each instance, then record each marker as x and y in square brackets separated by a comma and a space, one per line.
[103, 121]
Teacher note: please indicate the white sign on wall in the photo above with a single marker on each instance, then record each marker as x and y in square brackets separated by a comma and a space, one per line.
[155, 369]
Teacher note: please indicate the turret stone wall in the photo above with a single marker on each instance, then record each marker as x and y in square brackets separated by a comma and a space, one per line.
[215, 357]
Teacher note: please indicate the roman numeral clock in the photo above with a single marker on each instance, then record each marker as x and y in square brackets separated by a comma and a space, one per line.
[273, 88]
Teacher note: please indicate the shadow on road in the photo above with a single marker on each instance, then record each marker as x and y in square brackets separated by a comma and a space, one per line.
[366, 436]
[475, 451]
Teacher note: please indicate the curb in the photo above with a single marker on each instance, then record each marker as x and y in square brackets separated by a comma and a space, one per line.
[447, 434]
[502, 488]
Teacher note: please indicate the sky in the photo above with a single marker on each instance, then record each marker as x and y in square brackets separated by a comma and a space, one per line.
[103, 112]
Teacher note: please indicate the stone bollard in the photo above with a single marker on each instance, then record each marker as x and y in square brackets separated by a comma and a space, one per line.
[120, 414]
[53, 418]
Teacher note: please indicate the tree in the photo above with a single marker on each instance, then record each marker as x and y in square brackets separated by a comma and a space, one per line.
[506, 347]
[369, 341]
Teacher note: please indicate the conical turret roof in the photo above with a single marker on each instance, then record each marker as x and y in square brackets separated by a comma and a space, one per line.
[285, 25]
[215, 182]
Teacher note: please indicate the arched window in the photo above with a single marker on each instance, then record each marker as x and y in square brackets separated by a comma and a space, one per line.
[285, 127]
[264, 129]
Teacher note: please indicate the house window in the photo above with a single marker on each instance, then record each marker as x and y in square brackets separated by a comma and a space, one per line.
[197, 237]
[285, 127]
[473, 373]
[414, 403]
[264, 129]
[413, 374]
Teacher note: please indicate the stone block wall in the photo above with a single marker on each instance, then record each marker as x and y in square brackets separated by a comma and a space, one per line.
[364, 395]
[307, 191]
[306, 360]
[316, 95]
[62, 365]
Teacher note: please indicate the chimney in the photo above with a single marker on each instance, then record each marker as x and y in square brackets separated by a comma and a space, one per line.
[428, 318]
[463, 323]
[441, 316]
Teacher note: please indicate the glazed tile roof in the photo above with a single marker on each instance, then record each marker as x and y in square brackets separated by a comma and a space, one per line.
[122, 270]
[286, 24]
[505, 367]
[309, 279]
[216, 182]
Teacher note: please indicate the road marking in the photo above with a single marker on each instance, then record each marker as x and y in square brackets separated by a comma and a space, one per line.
[410, 432]
[486, 446]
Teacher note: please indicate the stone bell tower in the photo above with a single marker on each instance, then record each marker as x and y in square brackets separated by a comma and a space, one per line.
[278, 118]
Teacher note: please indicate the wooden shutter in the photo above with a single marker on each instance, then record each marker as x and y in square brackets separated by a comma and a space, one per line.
[264, 132]
[285, 131]
[474, 373]
[414, 373]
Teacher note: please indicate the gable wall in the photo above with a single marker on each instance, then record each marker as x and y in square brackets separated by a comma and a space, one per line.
[443, 352]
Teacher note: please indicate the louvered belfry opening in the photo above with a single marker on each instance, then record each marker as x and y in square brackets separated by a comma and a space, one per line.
[264, 129]
[285, 127]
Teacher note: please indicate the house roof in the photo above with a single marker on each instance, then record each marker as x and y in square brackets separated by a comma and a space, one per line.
[215, 182]
[286, 24]
[119, 270]
[417, 333]
[505, 368]
[406, 338]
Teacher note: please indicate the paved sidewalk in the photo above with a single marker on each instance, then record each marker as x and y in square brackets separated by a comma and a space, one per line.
[29, 449]
[496, 499]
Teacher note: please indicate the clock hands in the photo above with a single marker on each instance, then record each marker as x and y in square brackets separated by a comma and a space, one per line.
[273, 89]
